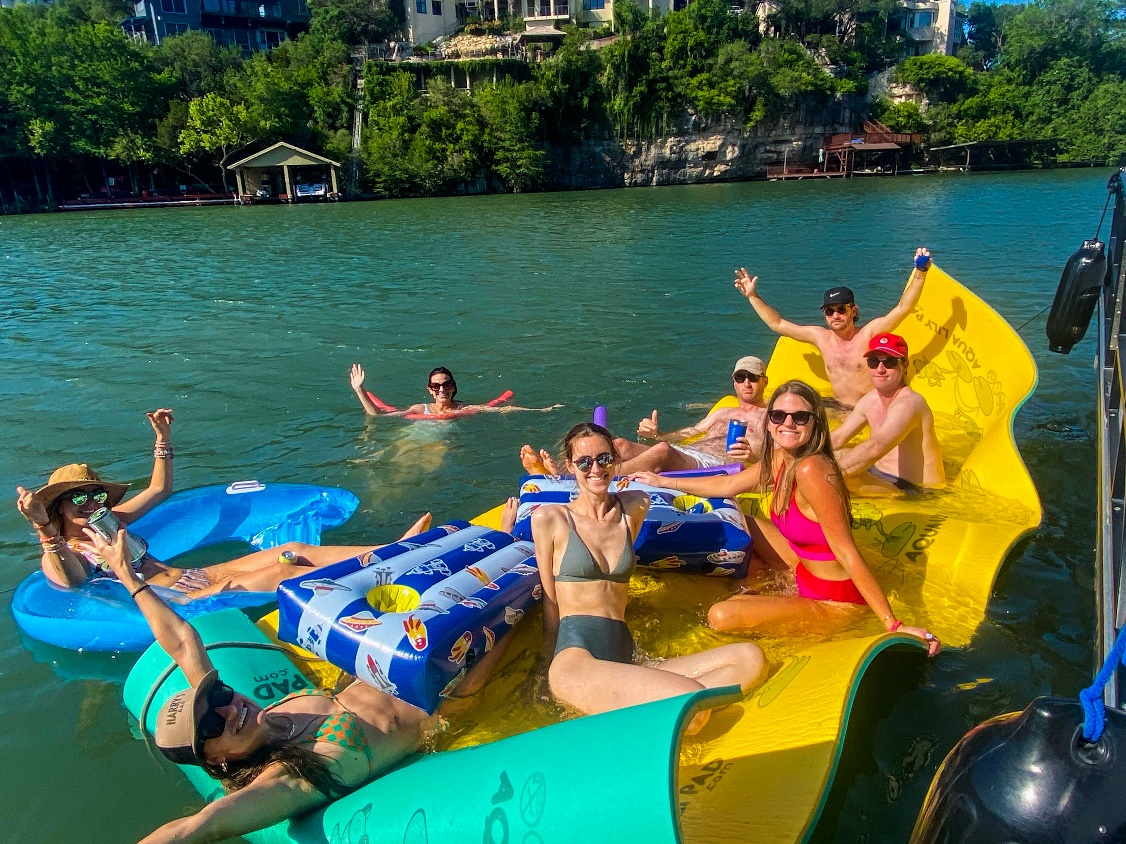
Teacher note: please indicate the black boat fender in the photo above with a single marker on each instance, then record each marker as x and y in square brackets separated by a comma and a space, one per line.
[1030, 778]
[1076, 296]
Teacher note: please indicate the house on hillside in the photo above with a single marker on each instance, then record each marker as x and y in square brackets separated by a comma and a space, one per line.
[929, 27]
[250, 25]
[430, 19]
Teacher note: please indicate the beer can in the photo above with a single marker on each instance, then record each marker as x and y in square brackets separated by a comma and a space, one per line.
[287, 557]
[107, 524]
[735, 428]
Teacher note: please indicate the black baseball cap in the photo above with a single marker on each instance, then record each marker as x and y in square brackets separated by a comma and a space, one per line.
[838, 296]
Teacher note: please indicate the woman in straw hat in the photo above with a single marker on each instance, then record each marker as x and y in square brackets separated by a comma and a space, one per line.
[61, 510]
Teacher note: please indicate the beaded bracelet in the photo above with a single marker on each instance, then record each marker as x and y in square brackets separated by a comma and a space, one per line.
[163, 451]
[895, 626]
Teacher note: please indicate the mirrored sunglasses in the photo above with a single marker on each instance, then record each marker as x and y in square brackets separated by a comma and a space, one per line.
[79, 497]
[585, 463]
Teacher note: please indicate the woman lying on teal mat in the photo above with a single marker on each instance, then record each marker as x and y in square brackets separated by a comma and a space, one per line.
[276, 762]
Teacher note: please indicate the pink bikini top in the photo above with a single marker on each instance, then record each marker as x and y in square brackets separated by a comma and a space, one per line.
[805, 536]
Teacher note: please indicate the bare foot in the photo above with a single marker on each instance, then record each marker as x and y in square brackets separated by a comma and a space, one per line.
[531, 462]
[508, 515]
[418, 527]
[548, 463]
[698, 722]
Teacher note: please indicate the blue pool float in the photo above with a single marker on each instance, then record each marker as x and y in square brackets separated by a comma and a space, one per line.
[99, 615]
[411, 618]
[680, 532]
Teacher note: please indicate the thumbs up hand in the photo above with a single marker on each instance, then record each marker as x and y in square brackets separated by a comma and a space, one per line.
[648, 427]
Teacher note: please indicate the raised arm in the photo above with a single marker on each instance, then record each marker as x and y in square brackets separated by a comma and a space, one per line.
[822, 488]
[62, 566]
[747, 284]
[908, 300]
[270, 799]
[544, 522]
[648, 428]
[710, 486]
[160, 484]
[178, 638]
[901, 418]
[356, 379]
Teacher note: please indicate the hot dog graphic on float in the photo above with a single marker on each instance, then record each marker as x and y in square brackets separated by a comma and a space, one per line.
[411, 618]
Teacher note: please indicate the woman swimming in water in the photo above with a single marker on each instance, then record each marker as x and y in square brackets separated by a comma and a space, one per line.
[278, 761]
[60, 512]
[585, 554]
[811, 513]
[442, 386]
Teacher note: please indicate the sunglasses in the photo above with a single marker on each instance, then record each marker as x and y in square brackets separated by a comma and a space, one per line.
[742, 375]
[889, 363]
[80, 496]
[438, 386]
[829, 310]
[585, 463]
[212, 724]
[800, 417]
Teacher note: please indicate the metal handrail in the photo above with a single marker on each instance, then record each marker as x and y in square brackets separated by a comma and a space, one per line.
[1110, 548]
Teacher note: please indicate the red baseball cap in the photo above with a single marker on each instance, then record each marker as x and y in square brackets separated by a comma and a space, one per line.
[890, 344]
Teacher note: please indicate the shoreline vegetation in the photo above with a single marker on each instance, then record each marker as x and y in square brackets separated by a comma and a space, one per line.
[87, 111]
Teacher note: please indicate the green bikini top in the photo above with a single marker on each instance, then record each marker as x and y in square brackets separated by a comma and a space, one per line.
[343, 730]
[578, 565]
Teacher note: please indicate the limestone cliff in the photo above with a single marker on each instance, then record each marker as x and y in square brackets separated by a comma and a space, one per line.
[697, 154]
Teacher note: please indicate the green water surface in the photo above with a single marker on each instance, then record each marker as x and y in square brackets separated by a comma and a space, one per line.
[245, 320]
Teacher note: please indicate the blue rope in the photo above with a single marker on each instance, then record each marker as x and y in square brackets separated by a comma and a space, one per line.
[1094, 718]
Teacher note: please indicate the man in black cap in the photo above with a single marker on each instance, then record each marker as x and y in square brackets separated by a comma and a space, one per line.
[842, 343]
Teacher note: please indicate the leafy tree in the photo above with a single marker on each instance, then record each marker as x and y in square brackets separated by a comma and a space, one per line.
[938, 76]
[192, 64]
[900, 117]
[573, 97]
[511, 122]
[216, 125]
[357, 21]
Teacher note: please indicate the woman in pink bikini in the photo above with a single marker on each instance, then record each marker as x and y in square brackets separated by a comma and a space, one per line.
[810, 514]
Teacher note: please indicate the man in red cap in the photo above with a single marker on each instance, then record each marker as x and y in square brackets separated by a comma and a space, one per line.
[902, 450]
[842, 342]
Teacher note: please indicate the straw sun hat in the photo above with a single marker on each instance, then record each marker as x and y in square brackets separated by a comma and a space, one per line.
[75, 475]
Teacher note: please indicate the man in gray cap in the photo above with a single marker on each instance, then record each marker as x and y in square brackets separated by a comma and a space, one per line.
[842, 343]
[670, 454]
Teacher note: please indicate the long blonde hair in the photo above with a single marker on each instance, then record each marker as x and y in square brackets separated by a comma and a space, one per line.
[819, 443]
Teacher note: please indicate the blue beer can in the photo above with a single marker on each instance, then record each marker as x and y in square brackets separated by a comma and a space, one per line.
[735, 428]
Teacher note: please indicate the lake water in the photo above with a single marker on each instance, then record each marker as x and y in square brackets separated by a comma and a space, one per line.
[245, 320]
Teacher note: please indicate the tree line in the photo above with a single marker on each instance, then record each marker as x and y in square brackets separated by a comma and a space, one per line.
[1048, 69]
[80, 102]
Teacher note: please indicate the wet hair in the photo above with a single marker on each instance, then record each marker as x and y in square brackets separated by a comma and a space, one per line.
[441, 370]
[819, 444]
[297, 761]
[586, 429]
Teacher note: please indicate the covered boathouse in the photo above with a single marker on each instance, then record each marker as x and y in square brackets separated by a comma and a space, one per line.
[285, 173]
